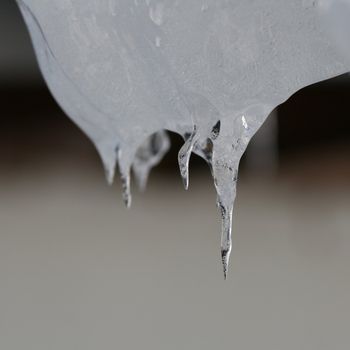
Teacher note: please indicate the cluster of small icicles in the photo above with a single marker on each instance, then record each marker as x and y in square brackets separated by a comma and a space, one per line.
[152, 151]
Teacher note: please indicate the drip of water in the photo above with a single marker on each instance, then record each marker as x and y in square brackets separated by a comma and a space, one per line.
[211, 71]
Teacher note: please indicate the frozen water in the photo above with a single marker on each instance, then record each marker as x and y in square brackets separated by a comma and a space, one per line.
[149, 154]
[336, 15]
[210, 70]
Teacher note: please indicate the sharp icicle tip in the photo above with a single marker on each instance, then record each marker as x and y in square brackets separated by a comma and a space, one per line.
[225, 256]
[126, 192]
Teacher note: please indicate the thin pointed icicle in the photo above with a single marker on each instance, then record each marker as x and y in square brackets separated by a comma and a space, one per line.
[126, 192]
[109, 154]
[124, 171]
[225, 205]
[141, 175]
[149, 154]
[185, 155]
[225, 170]
[226, 237]
[109, 174]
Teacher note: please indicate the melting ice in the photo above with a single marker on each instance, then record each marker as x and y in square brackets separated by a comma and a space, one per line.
[210, 70]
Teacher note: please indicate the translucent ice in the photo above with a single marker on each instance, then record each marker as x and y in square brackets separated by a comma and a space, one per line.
[210, 70]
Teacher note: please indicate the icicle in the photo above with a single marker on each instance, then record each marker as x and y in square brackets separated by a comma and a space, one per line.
[149, 154]
[225, 179]
[124, 171]
[185, 155]
[125, 179]
[226, 236]
[109, 154]
[109, 173]
[225, 171]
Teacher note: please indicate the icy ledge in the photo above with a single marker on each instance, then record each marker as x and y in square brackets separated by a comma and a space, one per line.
[210, 70]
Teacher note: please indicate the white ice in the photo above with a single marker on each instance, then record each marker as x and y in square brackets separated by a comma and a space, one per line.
[210, 70]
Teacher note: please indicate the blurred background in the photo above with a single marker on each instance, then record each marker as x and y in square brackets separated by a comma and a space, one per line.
[79, 271]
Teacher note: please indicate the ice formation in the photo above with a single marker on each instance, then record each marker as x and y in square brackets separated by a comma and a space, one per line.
[210, 70]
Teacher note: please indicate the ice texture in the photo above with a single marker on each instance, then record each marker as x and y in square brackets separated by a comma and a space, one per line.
[210, 70]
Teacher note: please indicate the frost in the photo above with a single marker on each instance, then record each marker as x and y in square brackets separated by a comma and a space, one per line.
[210, 70]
